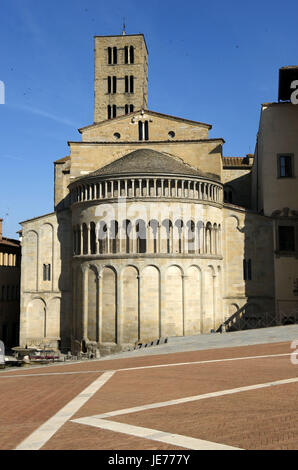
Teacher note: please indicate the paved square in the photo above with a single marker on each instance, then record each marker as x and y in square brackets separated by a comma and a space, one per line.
[232, 398]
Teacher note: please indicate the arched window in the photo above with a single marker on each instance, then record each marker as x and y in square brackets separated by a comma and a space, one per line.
[92, 238]
[109, 55]
[126, 54]
[109, 84]
[168, 233]
[102, 237]
[126, 83]
[190, 236]
[143, 130]
[178, 239]
[115, 55]
[131, 55]
[114, 111]
[85, 239]
[141, 236]
[146, 130]
[131, 83]
[208, 238]
[126, 109]
[131, 108]
[114, 84]
[153, 224]
[109, 111]
[114, 238]
[127, 234]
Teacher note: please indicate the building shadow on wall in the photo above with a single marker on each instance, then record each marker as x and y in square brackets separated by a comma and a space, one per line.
[258, 306]
[64, 234]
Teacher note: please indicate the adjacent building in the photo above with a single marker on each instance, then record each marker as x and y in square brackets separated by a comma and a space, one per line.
[10, 257]
[275, 192]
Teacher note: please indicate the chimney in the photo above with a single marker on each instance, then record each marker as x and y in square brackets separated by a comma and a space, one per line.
[1, 220]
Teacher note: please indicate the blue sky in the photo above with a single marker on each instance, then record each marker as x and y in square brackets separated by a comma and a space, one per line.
[213, 61]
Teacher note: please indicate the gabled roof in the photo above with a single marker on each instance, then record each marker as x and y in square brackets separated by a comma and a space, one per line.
[63, 160]
[147, 161]
[236, 162]
[147, 111]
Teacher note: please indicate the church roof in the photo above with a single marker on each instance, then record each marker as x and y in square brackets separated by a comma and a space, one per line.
[149, 161]
[149, 112]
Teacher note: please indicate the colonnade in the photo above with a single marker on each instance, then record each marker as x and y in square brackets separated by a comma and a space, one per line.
[148, 187]
[142, 236]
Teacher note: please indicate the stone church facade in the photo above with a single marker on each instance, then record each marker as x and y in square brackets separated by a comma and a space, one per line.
[153, 233]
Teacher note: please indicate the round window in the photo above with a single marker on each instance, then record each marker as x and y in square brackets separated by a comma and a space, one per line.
[171, 134]
[117, 135]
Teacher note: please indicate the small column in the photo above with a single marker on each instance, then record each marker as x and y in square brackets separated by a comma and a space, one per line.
[140, 187]
[158, 238]
[100, 190]
[134, 238]
[196, 249]
[162, 187]
[147, 188]
[185, 238]
[112, 189]
[133, 188]
[125, 190]
[106, 189]
[176, 188]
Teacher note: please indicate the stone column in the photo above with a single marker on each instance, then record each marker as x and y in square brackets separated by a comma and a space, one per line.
[119, 307]
[162, 310]
[183, 304]
[133, 188]
[99, 308]
[162, 187]
[85, 303]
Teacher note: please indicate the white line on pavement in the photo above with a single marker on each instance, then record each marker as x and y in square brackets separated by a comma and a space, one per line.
[194, 398]
[41, 435]
[154, 434]
[211, 361]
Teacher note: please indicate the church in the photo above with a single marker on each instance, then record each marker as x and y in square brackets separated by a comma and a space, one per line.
[154, 232]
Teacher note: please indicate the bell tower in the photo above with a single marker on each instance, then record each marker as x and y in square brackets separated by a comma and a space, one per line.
[120, 78]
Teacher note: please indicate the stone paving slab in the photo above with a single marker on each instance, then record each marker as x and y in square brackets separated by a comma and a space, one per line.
[24, 406]
[155, 359]
[30, 399]
[264, 419]
[138, 387]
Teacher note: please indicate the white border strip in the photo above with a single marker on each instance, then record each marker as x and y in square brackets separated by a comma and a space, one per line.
[41, 435]
[154, 435]
[179, 401]
[211, 361]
